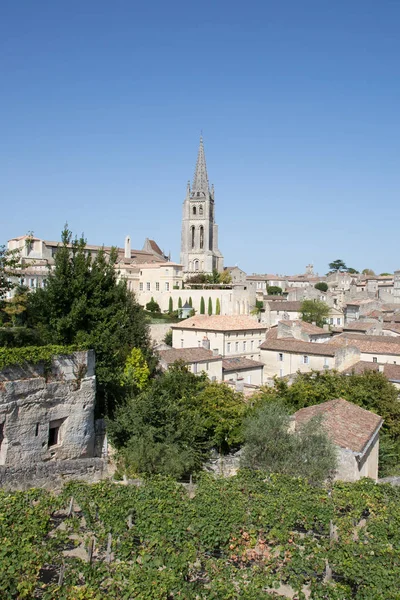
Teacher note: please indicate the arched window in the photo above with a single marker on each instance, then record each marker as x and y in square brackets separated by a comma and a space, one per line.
[192, 231]
[196, 265]
[194, 210]
[201, 236]
[200, 209]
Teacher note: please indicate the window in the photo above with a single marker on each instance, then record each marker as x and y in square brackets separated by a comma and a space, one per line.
[331, 321]
[252, 345]
[228, 347]
[32, 283]
[207, 366]
[244, 346]
[280, 356]
[194, 210]
[200, 210]
[181, 343]
[37, 430]
[199, 343]
[237, 346]
[192, 234]
[338, 321]
[201, 236]
[157, 286]
[167, 286]
[374, 359]
[148, 286]
[194, 367]
[280, 372]
[141, 286]
[55, 437]
[305, 359]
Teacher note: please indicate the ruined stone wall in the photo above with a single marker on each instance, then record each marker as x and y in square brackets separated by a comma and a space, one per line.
[48, 416]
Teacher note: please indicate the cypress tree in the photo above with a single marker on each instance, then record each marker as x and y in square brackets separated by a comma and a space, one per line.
[170, 305]
[202, 306]
[217, 307]
[190, 302]
[209, 306]
[179, 302]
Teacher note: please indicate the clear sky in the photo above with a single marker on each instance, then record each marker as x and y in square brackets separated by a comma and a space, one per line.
[102, 103]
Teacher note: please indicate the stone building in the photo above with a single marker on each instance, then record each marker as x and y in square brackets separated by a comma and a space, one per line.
[199, 242]
[355, 433]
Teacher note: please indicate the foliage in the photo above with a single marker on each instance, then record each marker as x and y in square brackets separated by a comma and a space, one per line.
[225, 277]
[370, 390]
[202, 306]
[15, 337]
[16, 305]
[153, 306]
[209, 310]
[10, 270]
[179, 302]
[274, 290]
[385, 274]
[322, 286]
[217, 307]
[84, 304]
[198, 278]
[271, 446]
[337, 265]
[368, 272]
[314, 311]
[190, 301]
[33, 354]
[136, 372]
[168, 338]
[170, 305]
[236, 538]
[352, 271]
[171, 426]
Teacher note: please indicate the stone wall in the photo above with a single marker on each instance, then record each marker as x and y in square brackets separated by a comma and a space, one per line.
[48, 416]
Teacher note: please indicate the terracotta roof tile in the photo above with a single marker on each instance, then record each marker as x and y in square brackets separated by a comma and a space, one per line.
[348, 425]
[379, 344]
[240, 363]
[298, 346]
[307, 327]
[392, 372]
[221, 323]
[188, 355]
[286, 306]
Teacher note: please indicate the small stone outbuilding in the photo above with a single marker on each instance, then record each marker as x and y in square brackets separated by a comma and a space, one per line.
[355, 433]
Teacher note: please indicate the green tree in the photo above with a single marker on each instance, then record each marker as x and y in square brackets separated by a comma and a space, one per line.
[153, 306]
[209, 311]
[179, 302]
[202, 306]
[136, 372]
[368, 272]
[170, 305]
[161, 429]
[190, 302]
[10, 270]
[168, 338]
[385, 274]
[314, 311]
[274, 290]
[213, 277]
[271, 446]
[352, 271]
[16, 306]
[321, 286]
[225, 277]
[84, 304]
[337, 265]
[217, 307]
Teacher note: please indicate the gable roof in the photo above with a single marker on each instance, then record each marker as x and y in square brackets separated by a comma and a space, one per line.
[187, 355]
[240, 363]
[306, 327]
[370, 344]
[286, 306]
[348, 425]
[298, 346]
[221, 323]
[360, 325]
[391, 371]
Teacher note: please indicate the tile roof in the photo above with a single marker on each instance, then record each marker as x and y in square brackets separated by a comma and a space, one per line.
[359, 325]
[373, 344]
[348, 425]
[392, 372]
[298, 346]
[187, 355]
[240, 363]
[286, 306]
[395, 327]
[307, 327]
[221, 323]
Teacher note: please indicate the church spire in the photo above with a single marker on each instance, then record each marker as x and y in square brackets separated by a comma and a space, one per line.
[200, 179]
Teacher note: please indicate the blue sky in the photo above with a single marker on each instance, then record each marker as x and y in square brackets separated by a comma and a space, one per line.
[102, 104]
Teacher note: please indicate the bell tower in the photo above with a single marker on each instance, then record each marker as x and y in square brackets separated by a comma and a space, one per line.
[199, 241]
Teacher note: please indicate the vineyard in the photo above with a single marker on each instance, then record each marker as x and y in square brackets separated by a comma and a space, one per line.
[247, 537]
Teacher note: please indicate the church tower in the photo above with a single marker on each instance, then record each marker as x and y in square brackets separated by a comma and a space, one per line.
[199, 243]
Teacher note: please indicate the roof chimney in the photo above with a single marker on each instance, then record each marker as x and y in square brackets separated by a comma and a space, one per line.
[206, 343]
[128, 247]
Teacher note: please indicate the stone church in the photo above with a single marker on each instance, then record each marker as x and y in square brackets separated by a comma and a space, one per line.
[199, 243]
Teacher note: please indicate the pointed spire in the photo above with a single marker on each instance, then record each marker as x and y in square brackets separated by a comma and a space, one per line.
[200, 179]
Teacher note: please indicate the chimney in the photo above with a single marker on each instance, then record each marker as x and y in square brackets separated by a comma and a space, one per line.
[206, 343]
[381, 368]
[128, 247]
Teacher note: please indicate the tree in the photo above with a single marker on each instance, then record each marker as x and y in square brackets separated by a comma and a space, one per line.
[190, 302]
[274, 290]
[202, 306]
[17, 304]
[209, 311]
[136, 372]
[179, 302]
[368, 272]
[314, 311]
[84, 304]
[352, 271]
[10, 270]
[170, 305]
[225, 277]
[217, 307]
[168, 338]
[385, 274]
[337, 265]
[321, 286]
[271, 446]
[153, 306]
[213, 277]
